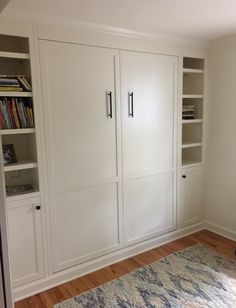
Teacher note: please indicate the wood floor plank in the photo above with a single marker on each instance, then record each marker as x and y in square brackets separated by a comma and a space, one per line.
[67, 290]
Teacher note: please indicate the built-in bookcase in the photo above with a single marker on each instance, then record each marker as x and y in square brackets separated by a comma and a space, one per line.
[192, 110]
[15, 61]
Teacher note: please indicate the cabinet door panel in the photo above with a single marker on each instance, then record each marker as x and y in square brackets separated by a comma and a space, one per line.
[149, 207]
[87, 226]
[148, 144]
[191, 195]
[25, 241]
[80, 136]
[148, 135]
[81, 150]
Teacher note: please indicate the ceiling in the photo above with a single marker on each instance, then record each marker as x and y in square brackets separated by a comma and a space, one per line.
[191, 19]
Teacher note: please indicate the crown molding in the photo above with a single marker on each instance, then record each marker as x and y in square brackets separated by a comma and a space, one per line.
[76, 24]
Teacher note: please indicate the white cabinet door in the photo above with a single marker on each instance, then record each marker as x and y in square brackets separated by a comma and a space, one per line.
[149, 206]
[86, 224]
[191, 195]
[81, 136]
[25, 241]
[82, 148]
[149, 126]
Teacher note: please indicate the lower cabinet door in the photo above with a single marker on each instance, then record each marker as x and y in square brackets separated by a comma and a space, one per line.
[85, 225]
[191, 195]
[25, 241]
[149, 207]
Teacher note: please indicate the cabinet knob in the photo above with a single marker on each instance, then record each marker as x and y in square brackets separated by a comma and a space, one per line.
[38, 207]
[184, 176]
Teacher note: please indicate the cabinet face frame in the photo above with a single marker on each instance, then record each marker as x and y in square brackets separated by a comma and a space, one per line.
[55, 265]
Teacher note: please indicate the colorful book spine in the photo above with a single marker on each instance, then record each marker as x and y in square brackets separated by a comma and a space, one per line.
[15, 113]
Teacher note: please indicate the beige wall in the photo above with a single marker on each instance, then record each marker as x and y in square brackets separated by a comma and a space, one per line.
[3, 3]
[221, 138]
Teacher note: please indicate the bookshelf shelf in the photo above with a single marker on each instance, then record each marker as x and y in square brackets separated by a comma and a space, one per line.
[14, 198]
[192, 96]
[192, 121]
[187, 144]
[192, 71]
[17, 131]
[15, 94]
[14, 55]
[22, 165]
[191, 163]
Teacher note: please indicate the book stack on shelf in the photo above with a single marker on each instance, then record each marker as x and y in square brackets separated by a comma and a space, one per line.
[188, 112]
[19, 190]
[15, 113]
[14, 83]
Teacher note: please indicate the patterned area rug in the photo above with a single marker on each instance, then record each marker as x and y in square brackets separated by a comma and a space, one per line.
[193, 277]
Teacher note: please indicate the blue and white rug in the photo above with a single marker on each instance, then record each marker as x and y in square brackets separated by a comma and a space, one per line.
[193, 277]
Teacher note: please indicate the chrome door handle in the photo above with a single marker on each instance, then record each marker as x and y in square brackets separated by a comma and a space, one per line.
[109, 105]
[131, 104]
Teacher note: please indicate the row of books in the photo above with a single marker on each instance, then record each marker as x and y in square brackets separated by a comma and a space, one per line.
[16, 83]
[15, 113]
[188, 112]
[19, 190]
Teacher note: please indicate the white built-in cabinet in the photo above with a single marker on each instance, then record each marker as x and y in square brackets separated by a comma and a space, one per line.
[191, 207]
[23, 210]
[25, 240]
[84, 112]
[111, 146]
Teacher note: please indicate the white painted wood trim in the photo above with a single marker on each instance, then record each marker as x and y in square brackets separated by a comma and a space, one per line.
[80, 25]
[14, 55]
[22, 165]
[228, 233]
[15, 94]
[193, 71]
[17, 131]
[39, 120]
[4, 235]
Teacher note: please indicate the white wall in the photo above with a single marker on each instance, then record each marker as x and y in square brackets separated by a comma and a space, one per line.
[221, 142]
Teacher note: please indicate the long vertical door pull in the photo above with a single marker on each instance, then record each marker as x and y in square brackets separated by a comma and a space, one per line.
[131, 104]
[109, 104]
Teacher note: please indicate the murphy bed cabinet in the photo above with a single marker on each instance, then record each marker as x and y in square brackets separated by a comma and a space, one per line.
[117, 146]
[89, 185]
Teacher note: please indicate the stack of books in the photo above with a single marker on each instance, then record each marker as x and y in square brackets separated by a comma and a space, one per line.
[188, 112]
[15, 113]
[14, 83]
[19, 190]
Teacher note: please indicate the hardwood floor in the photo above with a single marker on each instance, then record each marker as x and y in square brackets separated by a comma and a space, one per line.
[67, 290]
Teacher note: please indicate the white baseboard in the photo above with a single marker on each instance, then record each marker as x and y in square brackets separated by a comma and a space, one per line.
[228, 233]
[98, 263]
